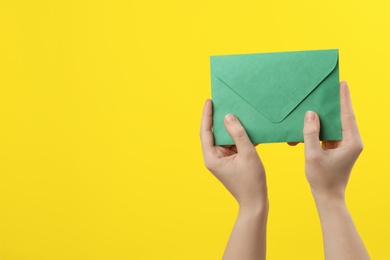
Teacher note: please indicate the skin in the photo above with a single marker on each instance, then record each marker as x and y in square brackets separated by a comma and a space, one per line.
[241, 171]
[327, 166]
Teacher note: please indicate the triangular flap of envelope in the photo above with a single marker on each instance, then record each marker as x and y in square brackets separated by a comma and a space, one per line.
[275, 83]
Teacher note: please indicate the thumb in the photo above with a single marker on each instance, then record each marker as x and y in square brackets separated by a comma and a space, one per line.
[311, 132]
[238, 134]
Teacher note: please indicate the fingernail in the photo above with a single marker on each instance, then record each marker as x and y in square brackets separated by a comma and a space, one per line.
[230, 118]
[310, 116]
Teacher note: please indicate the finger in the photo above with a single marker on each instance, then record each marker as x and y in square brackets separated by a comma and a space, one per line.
[206, 134]
[348, 119]
[239, 135]
[311, 133]
[329, 145]
[292, 143]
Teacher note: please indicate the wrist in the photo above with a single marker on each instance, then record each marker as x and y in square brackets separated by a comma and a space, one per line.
[331, 208]
[255, 209]
[327, 195]
[329, 200]
[254, 200]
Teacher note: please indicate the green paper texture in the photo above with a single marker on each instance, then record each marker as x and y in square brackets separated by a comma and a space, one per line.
[271, 92]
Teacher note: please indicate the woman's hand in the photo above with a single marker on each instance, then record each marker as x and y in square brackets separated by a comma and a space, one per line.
[328, 167]
[238, 167]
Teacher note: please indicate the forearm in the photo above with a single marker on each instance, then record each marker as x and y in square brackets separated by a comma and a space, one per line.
[341, 239]
[248, 238]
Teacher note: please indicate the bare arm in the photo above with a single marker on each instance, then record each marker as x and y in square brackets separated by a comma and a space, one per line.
[241, 171]
[248, 238]
[341, 239]
[328, 168]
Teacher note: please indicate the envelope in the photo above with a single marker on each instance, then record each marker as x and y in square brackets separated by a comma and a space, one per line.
[271, 92]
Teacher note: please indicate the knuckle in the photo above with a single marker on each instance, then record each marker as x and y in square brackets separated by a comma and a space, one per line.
[209, 165]
[313, 157]
[356, 144]
[239, 132]
[350, 116]
[358, 147]
[361, 147]
[202, 134]
[310, 130]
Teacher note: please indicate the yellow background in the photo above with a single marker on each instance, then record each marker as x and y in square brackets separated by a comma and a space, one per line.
[100, 105]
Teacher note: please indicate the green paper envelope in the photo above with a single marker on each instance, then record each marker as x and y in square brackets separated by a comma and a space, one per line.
[271, 92]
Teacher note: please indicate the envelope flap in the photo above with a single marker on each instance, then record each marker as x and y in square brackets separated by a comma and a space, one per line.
[274, 83]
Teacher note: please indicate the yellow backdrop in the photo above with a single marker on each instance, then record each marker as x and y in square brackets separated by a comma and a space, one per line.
[100, 105]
